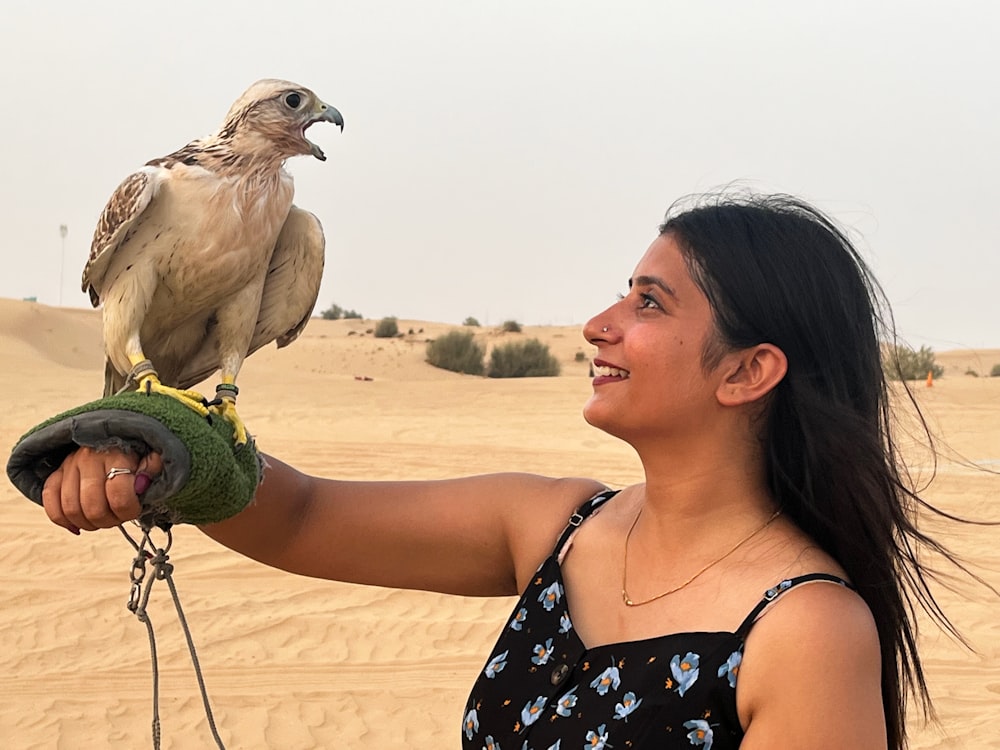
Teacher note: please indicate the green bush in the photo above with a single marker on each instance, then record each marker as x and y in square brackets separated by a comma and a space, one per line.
[333, 312]
[903, 363]
[457, 351]
[580, 357]
[510, 326]
[470, 321]
[995, 372]
[386, 328]
[522, 359]
[336, 312]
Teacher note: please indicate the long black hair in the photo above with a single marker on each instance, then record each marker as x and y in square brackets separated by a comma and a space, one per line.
[777, 270]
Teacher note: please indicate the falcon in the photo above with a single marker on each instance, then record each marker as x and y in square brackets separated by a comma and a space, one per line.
[200, 258]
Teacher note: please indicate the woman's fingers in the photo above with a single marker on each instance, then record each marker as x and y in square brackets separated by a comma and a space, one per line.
[62, 494]
[119, 502]
[87, 476]
[149, 467]
[52, 500]
[95, 490]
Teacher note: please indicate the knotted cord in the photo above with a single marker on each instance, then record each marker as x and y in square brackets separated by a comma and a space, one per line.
[147, 552]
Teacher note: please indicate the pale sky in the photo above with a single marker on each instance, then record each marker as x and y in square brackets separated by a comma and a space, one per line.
[513, 159]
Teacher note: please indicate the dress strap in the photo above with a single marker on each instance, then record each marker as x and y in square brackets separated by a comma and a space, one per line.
[579, 516]
[773, 593]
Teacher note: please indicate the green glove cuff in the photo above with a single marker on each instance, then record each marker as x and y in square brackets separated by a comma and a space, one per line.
[205, 477]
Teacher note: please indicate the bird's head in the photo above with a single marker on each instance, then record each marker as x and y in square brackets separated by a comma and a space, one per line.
[271, 118]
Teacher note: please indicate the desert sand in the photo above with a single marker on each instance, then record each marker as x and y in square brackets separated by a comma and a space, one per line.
[293, 662]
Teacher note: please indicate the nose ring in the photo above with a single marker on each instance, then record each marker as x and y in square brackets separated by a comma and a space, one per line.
[605, 329]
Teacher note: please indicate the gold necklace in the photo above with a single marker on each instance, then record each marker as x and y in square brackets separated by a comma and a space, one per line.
[628, 600]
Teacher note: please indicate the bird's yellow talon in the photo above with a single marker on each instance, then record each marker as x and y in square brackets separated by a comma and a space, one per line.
[227, 410]
[191, 399]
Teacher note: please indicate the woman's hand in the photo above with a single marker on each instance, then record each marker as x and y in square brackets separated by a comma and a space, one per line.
[85, 494]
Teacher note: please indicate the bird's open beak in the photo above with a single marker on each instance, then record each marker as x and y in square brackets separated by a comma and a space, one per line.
[322, 113]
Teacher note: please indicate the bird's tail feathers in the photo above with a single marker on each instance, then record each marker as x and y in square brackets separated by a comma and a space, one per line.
[114, 381]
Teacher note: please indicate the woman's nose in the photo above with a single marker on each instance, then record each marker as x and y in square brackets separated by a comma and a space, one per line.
[597, 329]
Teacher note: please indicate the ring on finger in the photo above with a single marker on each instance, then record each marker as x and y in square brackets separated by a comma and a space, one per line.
[115, 472]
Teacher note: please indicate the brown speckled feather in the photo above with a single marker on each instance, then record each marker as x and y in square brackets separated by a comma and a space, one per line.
[119, 215]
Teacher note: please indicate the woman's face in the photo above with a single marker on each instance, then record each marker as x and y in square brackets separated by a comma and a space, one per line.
[649, 380]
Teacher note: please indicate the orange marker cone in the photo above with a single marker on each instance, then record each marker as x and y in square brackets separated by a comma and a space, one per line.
[930, 378]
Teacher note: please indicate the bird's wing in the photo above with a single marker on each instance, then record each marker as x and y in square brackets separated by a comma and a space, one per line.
[293, 279]
[290, 291]
[117, 220]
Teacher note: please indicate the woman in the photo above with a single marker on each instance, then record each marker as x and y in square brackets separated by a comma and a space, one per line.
[752, 592]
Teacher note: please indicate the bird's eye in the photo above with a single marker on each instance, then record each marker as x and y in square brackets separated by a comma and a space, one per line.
[293, 100]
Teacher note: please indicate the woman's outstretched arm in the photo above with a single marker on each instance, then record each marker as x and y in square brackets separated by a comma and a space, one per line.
[482, 535]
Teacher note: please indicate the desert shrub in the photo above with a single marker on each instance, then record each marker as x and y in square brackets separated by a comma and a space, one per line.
[971, 373]
[510, 326]
[522, 359]
[903, 363]
[333, 312]
[457, 351]
[336, 312]
[386, 328]
[580, 357]
[470, 321]
[995, 372]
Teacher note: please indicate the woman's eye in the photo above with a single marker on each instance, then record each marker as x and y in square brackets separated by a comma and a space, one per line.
[293, 100]
[645, 300]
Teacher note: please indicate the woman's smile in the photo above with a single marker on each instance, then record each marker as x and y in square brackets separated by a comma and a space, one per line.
[605, 372]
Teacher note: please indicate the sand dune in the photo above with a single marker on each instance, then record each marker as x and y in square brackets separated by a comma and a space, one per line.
[300, 663]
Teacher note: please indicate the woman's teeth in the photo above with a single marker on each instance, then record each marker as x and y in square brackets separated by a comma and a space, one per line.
[610, 372]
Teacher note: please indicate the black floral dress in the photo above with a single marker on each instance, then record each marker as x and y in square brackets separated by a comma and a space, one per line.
[542, 689]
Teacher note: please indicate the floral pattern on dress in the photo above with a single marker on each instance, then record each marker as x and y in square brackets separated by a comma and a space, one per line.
[609, 679]
[701, 733]
[542, 688]
[564, 706]
[531, 711]
[517, 621]
[565, 624]
[543, 652]
[496, 664]
[471, 723]
[684, 671]
[629, 704]
[731, 669]
[597, 739]
[551, 596]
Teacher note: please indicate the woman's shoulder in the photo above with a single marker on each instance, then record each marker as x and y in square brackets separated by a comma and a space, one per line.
[811, 607]
[814, 605]
[812, 655]
[538, 510]
[558, 497]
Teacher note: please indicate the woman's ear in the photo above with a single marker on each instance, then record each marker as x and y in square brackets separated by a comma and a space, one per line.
[751, 374]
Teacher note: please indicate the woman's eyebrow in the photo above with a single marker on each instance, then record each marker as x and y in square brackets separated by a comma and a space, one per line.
[653, 281]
